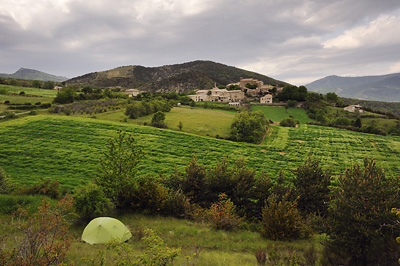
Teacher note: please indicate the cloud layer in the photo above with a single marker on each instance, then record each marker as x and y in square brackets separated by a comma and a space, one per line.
[295, 41]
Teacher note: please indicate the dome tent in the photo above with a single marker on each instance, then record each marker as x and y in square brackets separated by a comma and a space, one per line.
[102, 230]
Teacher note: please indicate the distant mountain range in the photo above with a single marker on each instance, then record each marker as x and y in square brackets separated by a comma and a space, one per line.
[31, 74]
[374, 88]
[180, 77]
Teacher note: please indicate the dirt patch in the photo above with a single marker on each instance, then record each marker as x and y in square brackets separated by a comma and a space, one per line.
[299, 141]
[374, 144]
[264, 150]
[282, 153]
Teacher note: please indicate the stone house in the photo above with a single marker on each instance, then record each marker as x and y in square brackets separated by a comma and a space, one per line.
[132, 92]
[354, 108]
[266, 99]
[218, 95]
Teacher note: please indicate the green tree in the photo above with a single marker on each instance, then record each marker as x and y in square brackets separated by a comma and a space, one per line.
[311, 185]
[281, 219]
[292, 103]
[289, 122]
[36, 84]
[158, 119]
[248, 127]
[65, 95]
[48, 85]
[332, 97]
[118, 166]
[359, 218]
[134, 110]
[358, 123]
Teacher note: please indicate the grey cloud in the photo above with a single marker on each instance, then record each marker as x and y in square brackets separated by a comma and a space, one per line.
[286, 36]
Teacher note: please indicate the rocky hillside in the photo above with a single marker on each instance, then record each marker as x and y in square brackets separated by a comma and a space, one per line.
[180, 77]
[375, 88]
[31, 74]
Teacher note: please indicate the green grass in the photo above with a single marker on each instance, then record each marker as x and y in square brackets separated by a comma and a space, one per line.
[278, 113]
[195, 120]
[68, 148]
[29, 91]
[32, 95]
[216, 247]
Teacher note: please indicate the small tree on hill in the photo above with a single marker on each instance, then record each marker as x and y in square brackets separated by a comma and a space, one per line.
[158, 119]
[248, 127]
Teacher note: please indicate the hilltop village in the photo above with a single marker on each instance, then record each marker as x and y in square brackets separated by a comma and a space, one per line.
[235, 93]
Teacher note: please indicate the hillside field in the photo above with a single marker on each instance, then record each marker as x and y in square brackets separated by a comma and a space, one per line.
[278, 113]
[68, 148]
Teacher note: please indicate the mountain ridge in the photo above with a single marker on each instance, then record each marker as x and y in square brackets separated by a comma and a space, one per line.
[375, 88]
[183, 77]
[32, 74]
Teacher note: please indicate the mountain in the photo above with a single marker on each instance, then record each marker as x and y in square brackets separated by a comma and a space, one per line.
[31, 74]
[180, 77]
[374, 88]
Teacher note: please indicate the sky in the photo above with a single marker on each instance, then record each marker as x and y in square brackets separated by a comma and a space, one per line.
[296, 41]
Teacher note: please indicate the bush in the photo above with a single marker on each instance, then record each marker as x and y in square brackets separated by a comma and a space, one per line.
[359, 222]
[248, 127]
[5, 184]
[222, 214]
[145, 194]
[44, 237]
[47, 187]
[91, 201]
[281, 219]
[177, 205]
[156, 253]
[10, 203]
[289, 122]
[342, 121]
[311, 185]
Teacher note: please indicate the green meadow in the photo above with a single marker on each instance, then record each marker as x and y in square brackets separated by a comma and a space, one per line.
[68, 148]
[31, 95]
[278, 113]
[197, 121]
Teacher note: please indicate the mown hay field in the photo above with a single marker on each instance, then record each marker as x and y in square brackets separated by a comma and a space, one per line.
[278, 113]
[68, 148]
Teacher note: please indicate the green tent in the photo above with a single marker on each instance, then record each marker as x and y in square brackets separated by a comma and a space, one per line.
[102, 230]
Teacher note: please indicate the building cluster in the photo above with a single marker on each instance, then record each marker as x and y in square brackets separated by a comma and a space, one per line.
[236, 96]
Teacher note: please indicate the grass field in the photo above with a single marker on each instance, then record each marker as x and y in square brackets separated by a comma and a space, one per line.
[215, 247]
[194, 120]
[68, 148]
[29, 91]
[32, 95]
[278, 113]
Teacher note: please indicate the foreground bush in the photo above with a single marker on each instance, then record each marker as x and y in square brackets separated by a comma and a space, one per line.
[281, 220]
[45, 239]
[156, 253]
[222, 214]
[360, 223]
[91, 201]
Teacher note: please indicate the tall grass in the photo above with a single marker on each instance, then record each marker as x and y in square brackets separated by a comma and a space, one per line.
[68, 148]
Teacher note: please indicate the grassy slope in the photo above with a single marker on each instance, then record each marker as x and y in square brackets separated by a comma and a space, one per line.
[216, 247]
[67, 148]
[32, 95]
[278, 113]
[197, 121]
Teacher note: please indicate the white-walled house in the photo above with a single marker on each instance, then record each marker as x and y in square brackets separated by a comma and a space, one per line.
[266, 99]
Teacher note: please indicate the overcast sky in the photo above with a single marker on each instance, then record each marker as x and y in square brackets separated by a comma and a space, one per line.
[297, 41]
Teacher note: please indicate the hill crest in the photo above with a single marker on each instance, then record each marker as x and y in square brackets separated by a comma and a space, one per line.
[374, 88]
[32, 74]
[178, 77]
